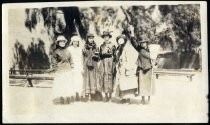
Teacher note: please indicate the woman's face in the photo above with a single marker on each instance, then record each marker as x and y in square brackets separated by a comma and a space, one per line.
[75, 43]
[62, 43]
[106, 38]
[90, 39]
[121, 41]
[144, 45]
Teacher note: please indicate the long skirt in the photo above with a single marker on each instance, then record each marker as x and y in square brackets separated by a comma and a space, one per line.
[90, 81]
[146, 83]
[63, 84]
[106, 72]
[77, 82]
[126, 84]
[67, 84]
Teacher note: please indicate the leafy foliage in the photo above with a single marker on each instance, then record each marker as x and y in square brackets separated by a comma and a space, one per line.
[181, 26]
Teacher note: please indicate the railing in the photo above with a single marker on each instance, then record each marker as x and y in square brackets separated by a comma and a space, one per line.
[176, 72]
[25, 71]
[32, 77]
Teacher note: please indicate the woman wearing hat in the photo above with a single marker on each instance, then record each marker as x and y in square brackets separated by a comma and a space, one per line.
[126, 83]
[144, 68]
[62, 64]
[107, 66]
[91, 58]
[77, 77]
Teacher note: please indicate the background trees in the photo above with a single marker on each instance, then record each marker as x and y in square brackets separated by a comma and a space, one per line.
[174, 27]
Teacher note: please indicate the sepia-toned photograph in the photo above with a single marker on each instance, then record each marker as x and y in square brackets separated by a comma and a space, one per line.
[105, 62]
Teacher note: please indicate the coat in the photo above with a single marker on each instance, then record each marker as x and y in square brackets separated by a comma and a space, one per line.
[126, 68]
[107, 67]
[90, 64]
[63, 64]
[143, 61]
[144, 70]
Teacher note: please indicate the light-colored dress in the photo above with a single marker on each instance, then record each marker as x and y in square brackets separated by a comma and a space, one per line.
[62, 63]
[126, 68]
[77, 73]
[126, 78]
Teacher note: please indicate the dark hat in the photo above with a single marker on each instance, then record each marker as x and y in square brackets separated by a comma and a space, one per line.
[144, 39]
[106, 33]
[121, 36]
[90, 35]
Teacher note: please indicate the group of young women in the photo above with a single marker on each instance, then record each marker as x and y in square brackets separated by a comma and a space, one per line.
[82, 71]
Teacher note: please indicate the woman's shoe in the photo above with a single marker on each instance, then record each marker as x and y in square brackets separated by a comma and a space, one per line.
[123, 101]
[143, 102]
[68, 100]
[72, 99]
[106, 99]
[61, 100]
[128, 100]
[56, 101]
[77, 97]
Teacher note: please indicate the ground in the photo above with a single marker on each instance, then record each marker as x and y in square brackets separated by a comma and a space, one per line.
[176, 99]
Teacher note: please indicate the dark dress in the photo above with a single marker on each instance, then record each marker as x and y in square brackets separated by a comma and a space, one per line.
[144, 70]
[91, 60]
[107, 67]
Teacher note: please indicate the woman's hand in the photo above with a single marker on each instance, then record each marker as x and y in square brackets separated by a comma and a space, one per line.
[131, 29]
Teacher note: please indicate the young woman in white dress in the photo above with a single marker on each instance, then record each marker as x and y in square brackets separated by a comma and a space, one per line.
[75, 50]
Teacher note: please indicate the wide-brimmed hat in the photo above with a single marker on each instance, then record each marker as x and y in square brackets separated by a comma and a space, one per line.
[106, 33]
[121, 36]
[60, 38]
[90, 35]
[75, 38]
[143, 39]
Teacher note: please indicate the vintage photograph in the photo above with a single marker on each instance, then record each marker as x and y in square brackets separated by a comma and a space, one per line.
[105, 62]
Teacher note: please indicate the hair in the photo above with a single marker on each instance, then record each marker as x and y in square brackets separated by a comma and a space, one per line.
[58, 46]
[74, 41]
[142, 46]
[88, 38]
[87, 43]
[75, 38]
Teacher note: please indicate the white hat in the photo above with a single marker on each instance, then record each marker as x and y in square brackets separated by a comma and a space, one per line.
[75, 38]
[61, 38]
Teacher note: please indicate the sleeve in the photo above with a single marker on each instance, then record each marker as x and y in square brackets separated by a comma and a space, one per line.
[114, 49]
[100, 52]
[84, 52]
[97, 49]
[145, 54]
[118, 53]
[71, 60]
[114, 52]
[54, 62]
[135, 44]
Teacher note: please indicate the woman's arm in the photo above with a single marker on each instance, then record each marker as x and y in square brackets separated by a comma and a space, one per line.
[145, 54]
[96, 56]
[135, 44]
[71, 60]
[85, 52]
[54, 62]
